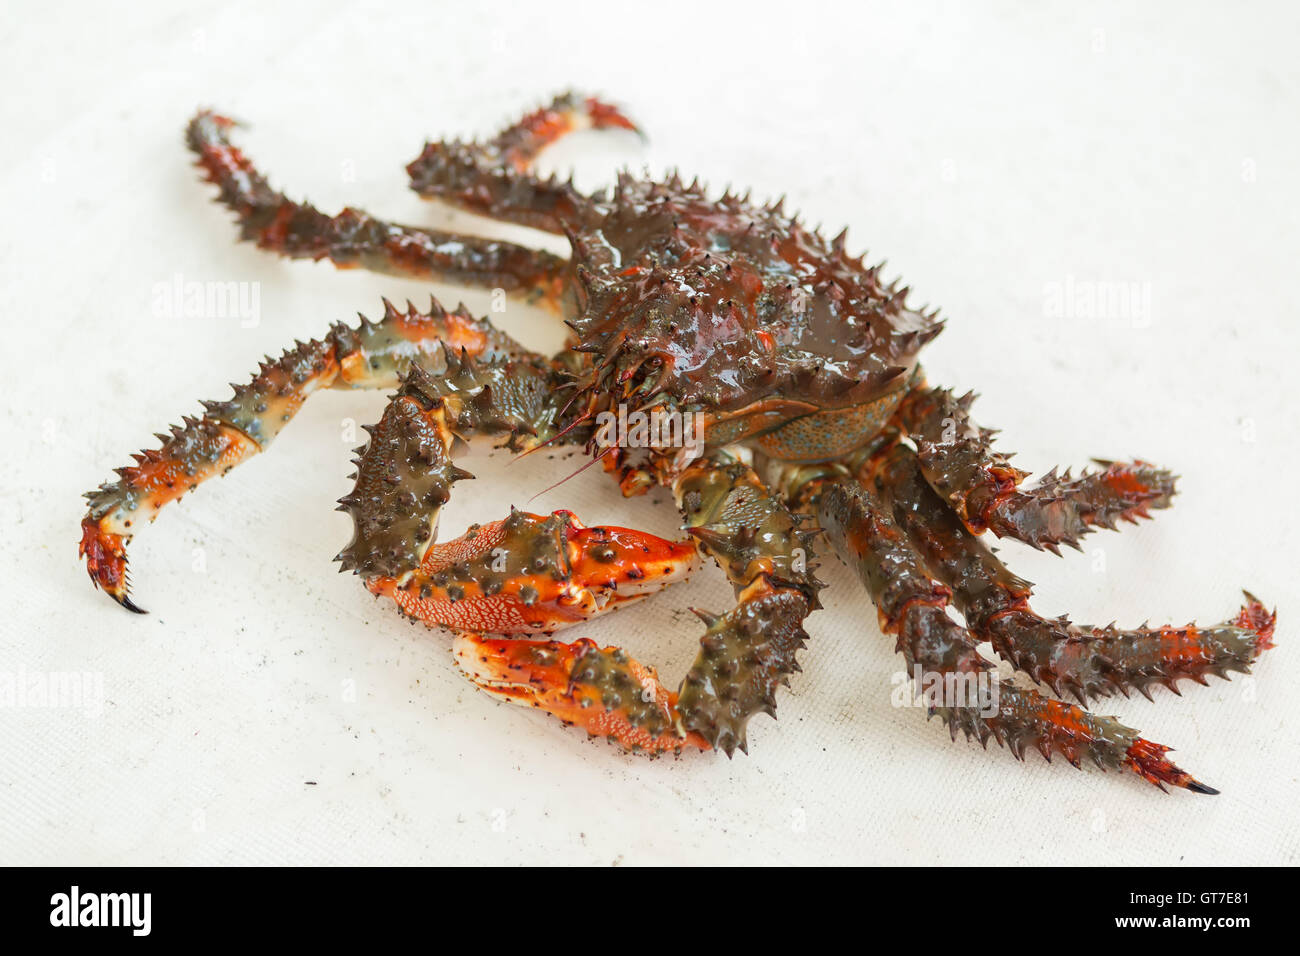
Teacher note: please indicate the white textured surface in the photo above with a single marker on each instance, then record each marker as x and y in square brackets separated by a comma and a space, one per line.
[989, 151]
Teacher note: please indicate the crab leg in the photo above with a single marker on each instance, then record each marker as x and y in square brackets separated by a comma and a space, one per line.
[370, 356]
[354, 238]
[405, 472]
[913, 607]
[1086, 661]
[750, 650]
[495, 179]
[981, 484]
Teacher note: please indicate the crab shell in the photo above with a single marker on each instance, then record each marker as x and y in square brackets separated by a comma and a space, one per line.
[736, 311]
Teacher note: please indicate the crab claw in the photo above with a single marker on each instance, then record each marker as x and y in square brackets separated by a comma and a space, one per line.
[607, 116]
[600, 689]
[530, 573]
[105, 555]
[569, 113]
[625, 565]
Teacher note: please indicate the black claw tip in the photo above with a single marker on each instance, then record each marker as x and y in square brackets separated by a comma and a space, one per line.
[1201, 788]
[130, 605]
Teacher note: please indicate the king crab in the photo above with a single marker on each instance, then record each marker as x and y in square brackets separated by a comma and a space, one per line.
[800, 362]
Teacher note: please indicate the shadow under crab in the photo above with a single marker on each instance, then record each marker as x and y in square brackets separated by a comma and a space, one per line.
[792, 358]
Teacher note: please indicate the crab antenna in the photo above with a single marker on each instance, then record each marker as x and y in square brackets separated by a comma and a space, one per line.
[556, 437]
[574, 474]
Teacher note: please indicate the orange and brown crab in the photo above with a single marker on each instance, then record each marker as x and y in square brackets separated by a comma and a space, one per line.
[784, 352]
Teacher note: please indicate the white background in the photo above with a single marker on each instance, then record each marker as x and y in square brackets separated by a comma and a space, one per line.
[989, 150]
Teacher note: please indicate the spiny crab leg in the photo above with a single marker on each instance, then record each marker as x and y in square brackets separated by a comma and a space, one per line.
[355, 238]
[982, 485]
[746, 653]
[405, 472]
[494, 178]
[372, 355]
[1086, 661]
[913, 606]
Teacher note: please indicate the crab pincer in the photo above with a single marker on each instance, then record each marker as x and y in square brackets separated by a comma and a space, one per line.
[531, 574]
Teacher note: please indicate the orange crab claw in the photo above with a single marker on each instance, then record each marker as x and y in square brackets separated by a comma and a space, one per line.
[530, 573]
[105, 555]
[599, 689]
[606, 116]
